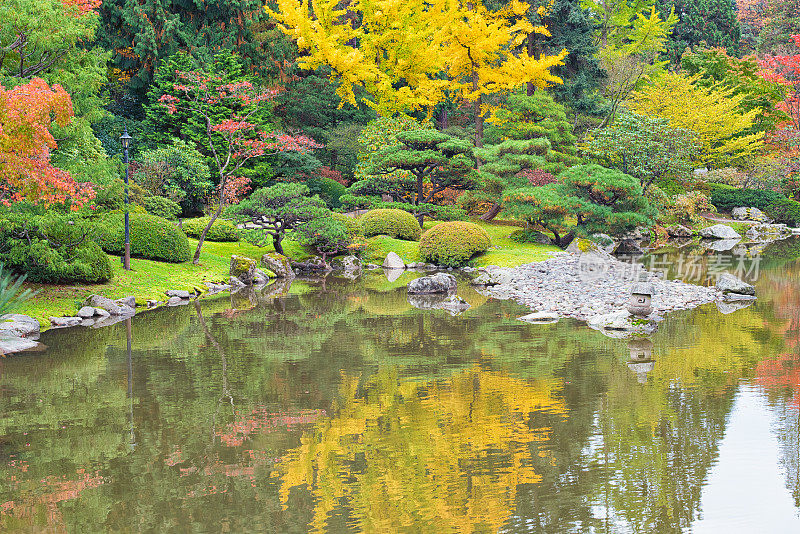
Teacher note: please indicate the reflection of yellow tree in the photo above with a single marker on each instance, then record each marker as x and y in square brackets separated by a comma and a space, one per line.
[442, 456]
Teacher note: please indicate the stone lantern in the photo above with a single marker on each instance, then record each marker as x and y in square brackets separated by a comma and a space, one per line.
[640, 302]
[641, 358]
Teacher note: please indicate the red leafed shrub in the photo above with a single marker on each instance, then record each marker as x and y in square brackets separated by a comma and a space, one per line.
[538, 177]
[332, 174]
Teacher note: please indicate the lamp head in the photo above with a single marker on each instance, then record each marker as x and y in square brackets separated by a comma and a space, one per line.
[125, 139]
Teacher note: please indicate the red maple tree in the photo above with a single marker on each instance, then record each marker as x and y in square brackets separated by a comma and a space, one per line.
[233, 141]
[26, 114]
[785, 70]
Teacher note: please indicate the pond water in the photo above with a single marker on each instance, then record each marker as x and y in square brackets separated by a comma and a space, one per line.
[336, 406]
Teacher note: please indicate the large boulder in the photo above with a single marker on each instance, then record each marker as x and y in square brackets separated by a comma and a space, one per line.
[243, 268]
[18, 344]
[606, 242]
[347, 264]
[393, 261]
[727, 283]
[540, 318]
[18, 325]
[748, 214]
[678, 230]
[278, 264]
[180, 293]
[435, 283]
[64, 322]
[314, 264]
[112, 307]
[719, 231]
[580, 245]
[493, 277]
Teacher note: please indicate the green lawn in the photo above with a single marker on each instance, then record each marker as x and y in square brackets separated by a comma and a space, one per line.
[146, 280]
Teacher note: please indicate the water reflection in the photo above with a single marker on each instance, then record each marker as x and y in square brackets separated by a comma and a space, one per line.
[336, 406]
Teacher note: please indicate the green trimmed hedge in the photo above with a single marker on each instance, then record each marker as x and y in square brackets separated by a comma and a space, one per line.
[222, 230]
[785, 211]
[153, 238]
[52, 248]
[452, 244]
[352, 225]
[394, 223]
[727, 199]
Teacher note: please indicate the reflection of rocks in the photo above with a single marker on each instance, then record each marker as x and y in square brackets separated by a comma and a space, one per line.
[726, 307]
[641, 358]
[719, 245]
[621, 324]
[452, 304]
[719, 231]
[18, 333]
[393, 274]
[435, 283]
[540, 318]
[279, 288]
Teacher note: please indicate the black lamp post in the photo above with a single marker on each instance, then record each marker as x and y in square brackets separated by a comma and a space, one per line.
[125, 139]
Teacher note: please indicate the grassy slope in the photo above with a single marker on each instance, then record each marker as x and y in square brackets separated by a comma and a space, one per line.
[149, 279]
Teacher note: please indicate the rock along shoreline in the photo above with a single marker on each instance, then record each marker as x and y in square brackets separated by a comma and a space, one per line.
[595, 287]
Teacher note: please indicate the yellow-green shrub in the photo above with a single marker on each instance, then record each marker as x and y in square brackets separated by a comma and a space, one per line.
[394, 223]
[452, 244]
[353, 226]
[222, 230]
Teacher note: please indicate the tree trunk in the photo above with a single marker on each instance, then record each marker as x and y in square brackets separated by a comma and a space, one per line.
[420, 193]
[493, 212]
[477, 110]
[196, 259]
[276, 243]
[532, 50]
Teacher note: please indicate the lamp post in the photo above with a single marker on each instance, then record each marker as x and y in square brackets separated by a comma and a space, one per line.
[125, 139]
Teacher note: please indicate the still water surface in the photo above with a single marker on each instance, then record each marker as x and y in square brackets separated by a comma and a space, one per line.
[338, 407]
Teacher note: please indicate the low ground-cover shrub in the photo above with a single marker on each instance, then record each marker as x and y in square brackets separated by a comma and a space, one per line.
[153, 238]
[785, 211]
[52, 248]
[452, 244]
[394, 223]
[687, 207]
[222, 230]
[727, 199]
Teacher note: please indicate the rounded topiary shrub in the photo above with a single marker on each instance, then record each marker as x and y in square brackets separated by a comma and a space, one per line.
[222, 229]
[153, 238]
[162, 207]
[452, 244]
[394, 223]
[352, 225]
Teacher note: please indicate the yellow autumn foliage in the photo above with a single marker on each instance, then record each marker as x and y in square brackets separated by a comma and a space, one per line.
[713, 113]
[404, 455]
[409, 54]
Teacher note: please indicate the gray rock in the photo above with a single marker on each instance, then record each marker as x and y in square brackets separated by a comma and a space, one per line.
[129, 302]
[582, 246]
[86, 312]
[493, 277]
[605, 241]
[12, 345]
[393, 261]
[678, 230]
[88, 321]
[748, 214]
[348, 264]
[180, 293]
[540, 318]
[64, 322]
[629, 246]
[719, 231]
[452, 304]
[100, 312]
[416, 265]
[112, 307]
[278, 264]
[243, 268]
[435, 283]
[727, 283]
[618, 320]
[18, 325]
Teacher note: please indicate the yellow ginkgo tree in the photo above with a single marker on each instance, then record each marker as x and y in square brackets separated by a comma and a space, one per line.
[714, 114]
[480, 58]
[410, 54]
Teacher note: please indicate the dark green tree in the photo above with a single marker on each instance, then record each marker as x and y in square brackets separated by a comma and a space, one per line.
[599, 199]
[424, 164]
[279, 209]
[710, 22]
